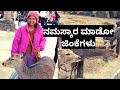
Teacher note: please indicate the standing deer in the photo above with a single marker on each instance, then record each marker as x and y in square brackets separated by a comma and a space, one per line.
[44, 69]
[70, 55]
[98, 51]
[67, 56]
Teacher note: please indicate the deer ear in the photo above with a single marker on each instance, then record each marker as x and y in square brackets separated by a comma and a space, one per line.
[112, 46]
[17, 55]
[21, 55]
[12, 55]
[111, 50]
[101, 47]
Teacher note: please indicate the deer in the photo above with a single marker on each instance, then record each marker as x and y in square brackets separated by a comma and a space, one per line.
[104, 50]
[67, 56]
[43, 69]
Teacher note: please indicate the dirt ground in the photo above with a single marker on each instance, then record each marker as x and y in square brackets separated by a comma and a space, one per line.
[5, 40]
[94, 68]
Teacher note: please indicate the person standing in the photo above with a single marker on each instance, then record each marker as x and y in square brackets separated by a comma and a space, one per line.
[19, 18]
[57, 17]
[43, 17]
[29, 39]
[116, 36]
[52, 18]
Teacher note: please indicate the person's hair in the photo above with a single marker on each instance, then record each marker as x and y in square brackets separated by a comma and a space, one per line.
[35, 25]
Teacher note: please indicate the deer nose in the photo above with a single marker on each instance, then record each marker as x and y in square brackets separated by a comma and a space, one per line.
[3, 63]
[79, 57]
[117, 55]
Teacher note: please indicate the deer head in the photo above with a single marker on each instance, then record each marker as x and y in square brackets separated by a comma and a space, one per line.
[13, 60]
[67, 55]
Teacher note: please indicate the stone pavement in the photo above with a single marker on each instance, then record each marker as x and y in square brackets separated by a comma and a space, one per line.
[5, 46]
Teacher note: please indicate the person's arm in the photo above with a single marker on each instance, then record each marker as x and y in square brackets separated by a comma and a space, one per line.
[16, 40]
[112, 40]
[115, 35]
[58, 16]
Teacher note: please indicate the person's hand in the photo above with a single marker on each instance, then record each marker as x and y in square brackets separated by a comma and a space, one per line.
[37, 50]
[37, 53]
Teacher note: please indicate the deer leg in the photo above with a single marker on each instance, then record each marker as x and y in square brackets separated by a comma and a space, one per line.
[72, 68]
[59, 43]
[75, 67]
[117, 47]
[80, 68]
[105, 58]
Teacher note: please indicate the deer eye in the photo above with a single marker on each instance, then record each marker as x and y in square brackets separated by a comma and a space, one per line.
[67, 54]
[12, 59]
[111, 50]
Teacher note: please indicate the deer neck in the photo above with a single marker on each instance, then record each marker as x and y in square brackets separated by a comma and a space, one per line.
[90, 52]
[98, 52]
[22, 70]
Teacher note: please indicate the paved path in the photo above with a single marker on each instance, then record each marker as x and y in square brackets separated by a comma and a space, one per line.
[5, 46]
